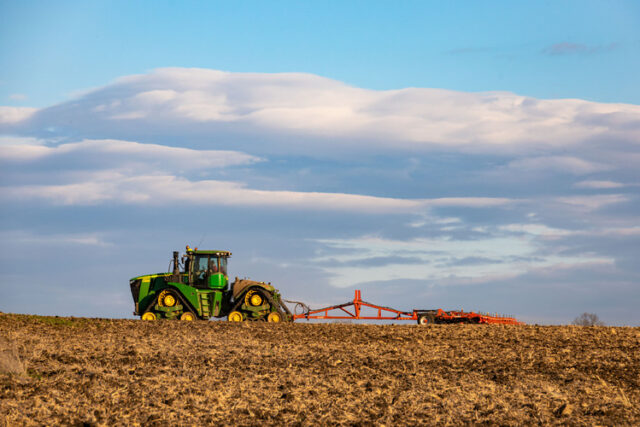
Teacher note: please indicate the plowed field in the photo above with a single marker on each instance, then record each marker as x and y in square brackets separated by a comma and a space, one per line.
[129, 372]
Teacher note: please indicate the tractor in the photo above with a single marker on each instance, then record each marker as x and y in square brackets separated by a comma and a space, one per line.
[198, 288]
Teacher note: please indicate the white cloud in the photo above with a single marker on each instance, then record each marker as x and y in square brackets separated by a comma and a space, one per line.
[74, 239]
[11, 115]
[118, 187]
[122, 153]
[327, 114]
[124, 172]
[590, 203]
[18, 97]
[444, 259]
[427, 220]
[551, 233]
[471, 202]
[599, 184]
[621, 231]
[536, 230]
[568, 164]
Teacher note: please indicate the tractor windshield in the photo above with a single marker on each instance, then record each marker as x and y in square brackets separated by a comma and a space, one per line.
[208, 264]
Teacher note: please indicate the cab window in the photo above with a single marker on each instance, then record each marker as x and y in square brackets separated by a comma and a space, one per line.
[223, 265]
[201, 263]
[200, 270]
[213, 265]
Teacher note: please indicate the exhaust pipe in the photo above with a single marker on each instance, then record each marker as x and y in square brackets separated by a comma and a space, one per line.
[176, 268]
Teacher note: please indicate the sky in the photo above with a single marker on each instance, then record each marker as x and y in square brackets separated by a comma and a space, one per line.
[475, 155]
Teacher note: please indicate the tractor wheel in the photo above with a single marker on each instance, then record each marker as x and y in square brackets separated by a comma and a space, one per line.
[167, 299]
[235, 316]
[274, 317]
[254, 298]
[188, 316]
[149, 315]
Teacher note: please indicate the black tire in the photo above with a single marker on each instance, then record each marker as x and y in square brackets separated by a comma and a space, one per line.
[426, 319]
[168, 293]
[254, 291]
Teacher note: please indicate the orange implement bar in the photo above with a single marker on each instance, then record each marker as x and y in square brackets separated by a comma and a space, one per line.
[384, 313]
[353, 311]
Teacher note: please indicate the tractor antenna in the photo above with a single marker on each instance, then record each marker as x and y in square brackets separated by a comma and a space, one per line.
[200, 242]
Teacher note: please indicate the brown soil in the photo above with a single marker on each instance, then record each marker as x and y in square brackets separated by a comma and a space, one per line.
[123, 372]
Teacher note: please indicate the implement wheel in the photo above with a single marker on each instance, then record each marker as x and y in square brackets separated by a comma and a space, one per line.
[149, 316]
[274, 317]
[188, 316]
[235, 316]
[425, 320]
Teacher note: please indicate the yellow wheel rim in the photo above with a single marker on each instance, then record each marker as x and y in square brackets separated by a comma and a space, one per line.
[188, 316]
[274, 317]
[235, 316]
[148, 316]
[166, 299]
[253, 299]
[256, 300]
[169, 301]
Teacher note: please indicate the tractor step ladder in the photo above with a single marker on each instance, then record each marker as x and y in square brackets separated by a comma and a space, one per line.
[204, 304]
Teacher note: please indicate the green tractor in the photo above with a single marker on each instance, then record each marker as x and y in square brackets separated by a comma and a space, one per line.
[201, 290]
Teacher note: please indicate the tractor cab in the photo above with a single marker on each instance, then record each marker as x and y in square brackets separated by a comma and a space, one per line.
[206, 269]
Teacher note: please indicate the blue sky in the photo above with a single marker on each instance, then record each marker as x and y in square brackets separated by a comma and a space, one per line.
[433, 154]
[52, 50]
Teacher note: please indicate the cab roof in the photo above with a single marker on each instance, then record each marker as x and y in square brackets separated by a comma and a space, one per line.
[211, 252]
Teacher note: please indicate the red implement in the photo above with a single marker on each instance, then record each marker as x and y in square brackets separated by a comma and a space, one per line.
[353, 310]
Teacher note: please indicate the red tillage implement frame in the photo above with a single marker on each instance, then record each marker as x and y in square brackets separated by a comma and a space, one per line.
[352, 310]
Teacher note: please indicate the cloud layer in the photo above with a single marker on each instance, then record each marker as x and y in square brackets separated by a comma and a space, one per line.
[306, 110]
[111, 171]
